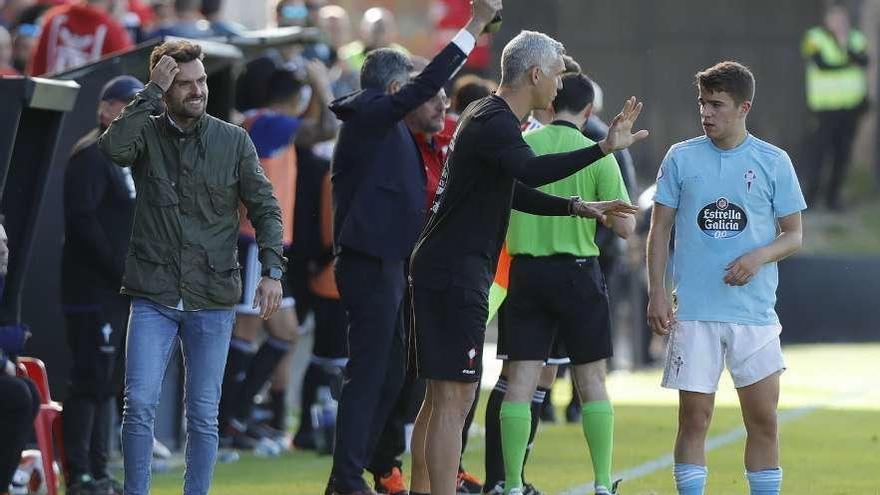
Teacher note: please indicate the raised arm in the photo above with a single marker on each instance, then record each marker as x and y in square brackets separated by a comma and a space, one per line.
[319, 123]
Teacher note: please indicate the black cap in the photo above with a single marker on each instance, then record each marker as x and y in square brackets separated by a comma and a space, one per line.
[121, 88]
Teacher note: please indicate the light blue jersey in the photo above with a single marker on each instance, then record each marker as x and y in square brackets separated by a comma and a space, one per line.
[727, 204]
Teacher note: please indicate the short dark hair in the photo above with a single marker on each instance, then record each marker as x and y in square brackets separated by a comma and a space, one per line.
[384, 65]
[730, 77]
[282, 85]
[576, 93]
[468, 89]
[181, 51]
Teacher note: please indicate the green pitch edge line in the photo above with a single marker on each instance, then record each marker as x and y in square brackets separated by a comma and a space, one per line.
[666, 461]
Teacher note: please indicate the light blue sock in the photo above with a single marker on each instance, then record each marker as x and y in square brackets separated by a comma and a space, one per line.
[690, 479]
[766, 482]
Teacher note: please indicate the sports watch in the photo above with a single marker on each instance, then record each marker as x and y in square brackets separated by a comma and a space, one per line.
[571, 204]
[275, 273]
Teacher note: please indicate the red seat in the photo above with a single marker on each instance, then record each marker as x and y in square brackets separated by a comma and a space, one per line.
[47, 426]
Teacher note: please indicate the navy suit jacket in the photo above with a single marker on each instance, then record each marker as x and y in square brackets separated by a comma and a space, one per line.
[377, 172]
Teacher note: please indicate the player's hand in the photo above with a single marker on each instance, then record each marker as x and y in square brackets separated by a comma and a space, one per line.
[601, 210]
[164, 72]
[482, 13]
[268, 297]
[660, 316]
[741, 270]
[620, 133]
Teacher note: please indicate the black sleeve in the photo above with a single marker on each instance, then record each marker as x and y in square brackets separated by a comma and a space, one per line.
[535, 202]
[516, 158]
[858, 58]
[391, 108]
[85, 183]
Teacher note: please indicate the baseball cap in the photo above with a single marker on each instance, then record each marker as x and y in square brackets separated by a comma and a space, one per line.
[121, 88]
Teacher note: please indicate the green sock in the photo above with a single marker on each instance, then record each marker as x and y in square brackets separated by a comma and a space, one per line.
[597, 418]
[516, 422]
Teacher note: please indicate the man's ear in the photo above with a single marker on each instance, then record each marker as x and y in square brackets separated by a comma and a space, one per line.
[588, 111]
[393, 87]
[744, 108]
[534, 75]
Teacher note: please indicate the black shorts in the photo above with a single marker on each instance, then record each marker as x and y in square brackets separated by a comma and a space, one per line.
[555, 298]
[449, 329]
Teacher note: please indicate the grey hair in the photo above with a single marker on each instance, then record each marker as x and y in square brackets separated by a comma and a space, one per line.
[526, 50]
[383, 66]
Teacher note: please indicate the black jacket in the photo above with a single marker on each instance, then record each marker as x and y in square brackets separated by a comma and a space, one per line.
[377, 173]
[98, 212]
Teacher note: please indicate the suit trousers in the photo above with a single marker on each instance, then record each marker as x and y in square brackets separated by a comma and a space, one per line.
[372, 292]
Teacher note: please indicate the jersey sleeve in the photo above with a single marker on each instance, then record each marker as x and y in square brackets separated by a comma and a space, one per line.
[787, 195]
[609, 180]
[668, 182]
[503, 144]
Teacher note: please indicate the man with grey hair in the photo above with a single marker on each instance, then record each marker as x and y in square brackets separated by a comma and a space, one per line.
[489, 170]
[379, 209]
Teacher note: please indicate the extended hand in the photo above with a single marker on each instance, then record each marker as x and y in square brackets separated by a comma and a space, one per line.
[601, 210]
[741, 270]
[268, 297]
[164, 72]
[620, 134]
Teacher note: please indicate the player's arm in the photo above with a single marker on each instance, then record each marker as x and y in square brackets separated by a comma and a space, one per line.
[531, 170]
[535, 202]
[660, 316]
[320, 123]
[789, 240]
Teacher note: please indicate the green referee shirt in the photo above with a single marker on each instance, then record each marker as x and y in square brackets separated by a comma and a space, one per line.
[544, 236]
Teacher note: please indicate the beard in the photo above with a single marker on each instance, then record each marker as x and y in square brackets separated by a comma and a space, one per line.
[184, 109]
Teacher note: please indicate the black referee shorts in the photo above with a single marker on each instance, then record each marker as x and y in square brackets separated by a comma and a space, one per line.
[555, 298]
[450, 328]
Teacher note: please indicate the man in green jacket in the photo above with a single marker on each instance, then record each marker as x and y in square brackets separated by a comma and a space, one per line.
[190, 170]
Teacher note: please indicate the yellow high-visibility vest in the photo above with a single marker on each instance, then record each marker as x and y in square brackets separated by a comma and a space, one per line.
[843, 87]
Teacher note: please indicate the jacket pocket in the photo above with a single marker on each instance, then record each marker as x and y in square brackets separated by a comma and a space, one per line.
[224, 277]
[160, 192]
[224, 198]
[148, 267]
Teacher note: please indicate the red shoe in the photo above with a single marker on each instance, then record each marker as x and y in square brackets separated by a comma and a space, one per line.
[468, 483]
[392, 483]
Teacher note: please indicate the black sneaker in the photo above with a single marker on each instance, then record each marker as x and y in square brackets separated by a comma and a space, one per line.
[573, 412]
[529, 489]
[83, 484]
[109, 486]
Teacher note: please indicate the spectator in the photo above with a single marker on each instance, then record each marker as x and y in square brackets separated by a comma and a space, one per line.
[188, 22]
[213, 12]
[181, 269]
[837, 93]
[76, 34]
[334, 22]
[99, 201]
[21, 400]
[378, 30]
[10, 13]
[6, 68]
[24, 42]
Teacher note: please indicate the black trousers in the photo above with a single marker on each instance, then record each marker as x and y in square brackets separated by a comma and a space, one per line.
[95, 338]
[834, 136]
[19, 405]
[392, 442]
[372, 292]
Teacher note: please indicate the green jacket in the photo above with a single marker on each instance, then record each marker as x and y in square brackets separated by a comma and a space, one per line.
[185, 235]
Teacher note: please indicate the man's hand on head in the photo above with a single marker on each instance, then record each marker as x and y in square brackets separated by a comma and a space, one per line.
[164, 72]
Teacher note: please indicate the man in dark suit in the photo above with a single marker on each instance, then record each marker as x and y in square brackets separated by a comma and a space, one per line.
[379, 210]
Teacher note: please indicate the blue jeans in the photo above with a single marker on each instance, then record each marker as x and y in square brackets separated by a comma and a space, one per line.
[204, 338]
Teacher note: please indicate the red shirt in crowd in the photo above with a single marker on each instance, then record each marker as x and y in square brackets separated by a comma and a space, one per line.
[433, 151]
[76, 34]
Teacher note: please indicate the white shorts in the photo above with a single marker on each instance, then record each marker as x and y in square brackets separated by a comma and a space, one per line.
[697, 351]
[251, 272]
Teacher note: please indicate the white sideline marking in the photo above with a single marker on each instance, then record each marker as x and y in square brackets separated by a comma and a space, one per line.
[666, 461]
